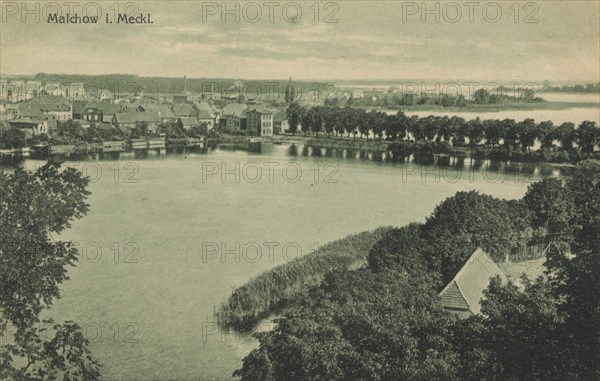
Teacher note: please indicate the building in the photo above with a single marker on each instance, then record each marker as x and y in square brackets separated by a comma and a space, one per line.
[54, 89]
[233, 117]
[233, 122]
[464, 293]
[32, 127]
[163, 110]
[259, 122]
[205, 117]
[99, 112]
[128, 120]
[188, 122]
[357, 94]
[184, 109]
[75, 90]
[30, 110]
[56, 110]
[105, 95]
[53, 110]
[11, 110]
[280, 123]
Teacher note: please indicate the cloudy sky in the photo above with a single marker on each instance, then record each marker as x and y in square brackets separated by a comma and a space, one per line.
[359, 40]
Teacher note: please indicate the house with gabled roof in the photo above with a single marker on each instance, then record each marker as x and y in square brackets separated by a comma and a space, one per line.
[184, 109]
[205, 117]
[163, 110]
[100, 111]
[32, 126]
[464, 293]
[128, 120]
[188, 122]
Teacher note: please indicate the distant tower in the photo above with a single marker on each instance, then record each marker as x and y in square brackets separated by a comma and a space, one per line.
[290, 92]
[184, 85]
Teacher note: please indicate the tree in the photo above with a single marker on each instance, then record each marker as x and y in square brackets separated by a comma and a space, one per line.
[13, 138]
[511, 133]
[400, 250]
[362, 121]
[517, 337]
[33, 207]
[70, 129]
[567, 135]
[481, 97]
[349, 120]
[461, 101]
[360, 326]
[329, 119]
[547, 133]
[377, 120]
[294, 114]
[476, 132]
[306, 119]
[528, 132]
[316, 119]
[588, 135]
[456, 131]
[199, 130]
[469, 220]
[553, 208]
[140, 130]
[582, 285]
[494, 131]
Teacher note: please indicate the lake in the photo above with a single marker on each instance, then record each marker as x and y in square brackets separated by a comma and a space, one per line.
[169, 237]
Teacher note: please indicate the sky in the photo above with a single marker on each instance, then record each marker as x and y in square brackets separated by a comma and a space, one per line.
[351, 40]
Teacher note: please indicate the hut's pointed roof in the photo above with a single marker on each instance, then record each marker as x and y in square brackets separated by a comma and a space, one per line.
[465, 291]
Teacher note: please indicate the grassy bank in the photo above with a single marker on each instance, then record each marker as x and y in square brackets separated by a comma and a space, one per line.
[276, 288]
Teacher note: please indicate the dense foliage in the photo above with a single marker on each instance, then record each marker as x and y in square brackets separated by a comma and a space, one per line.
[33, 207]
[358, 326]
[468, 220]
[384, 322]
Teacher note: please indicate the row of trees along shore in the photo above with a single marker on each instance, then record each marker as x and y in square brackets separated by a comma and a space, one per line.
[443, 134]
[385, 322]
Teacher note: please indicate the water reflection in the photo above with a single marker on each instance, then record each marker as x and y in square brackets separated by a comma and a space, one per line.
[383, 157]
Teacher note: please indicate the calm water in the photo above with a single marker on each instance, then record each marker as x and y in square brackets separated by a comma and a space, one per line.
[152, 278]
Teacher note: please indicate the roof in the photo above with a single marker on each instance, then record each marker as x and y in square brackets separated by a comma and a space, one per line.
[183, 109]
[204, 115]
[465, 291]
[79, 106]
[137, 116]
[163, 109]
[235, 109]
[27, 121]
[279, 117]
[50, 107]
[261, 111]
[204, 106]
[105, 107]
[30, 110]
[189, 121]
